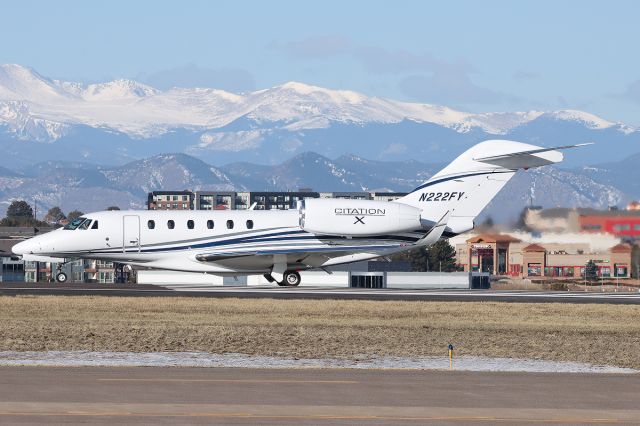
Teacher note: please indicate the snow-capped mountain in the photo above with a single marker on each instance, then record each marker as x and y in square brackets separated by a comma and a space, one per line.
[122, 120]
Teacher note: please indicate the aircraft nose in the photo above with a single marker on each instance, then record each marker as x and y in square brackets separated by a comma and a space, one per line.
[25, 247]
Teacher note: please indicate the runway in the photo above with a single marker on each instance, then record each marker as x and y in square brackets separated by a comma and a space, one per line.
[311, 396]
[319, 292]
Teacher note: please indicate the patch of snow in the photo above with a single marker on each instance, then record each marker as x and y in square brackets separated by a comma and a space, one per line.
[231, 141]
[590, 120]
[203, 359]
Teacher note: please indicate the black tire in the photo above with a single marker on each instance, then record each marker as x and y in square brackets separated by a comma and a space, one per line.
[61, 277]
[291, 279]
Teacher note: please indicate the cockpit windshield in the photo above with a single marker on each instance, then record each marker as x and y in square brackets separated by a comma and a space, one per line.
[75, 223]
[85, 224]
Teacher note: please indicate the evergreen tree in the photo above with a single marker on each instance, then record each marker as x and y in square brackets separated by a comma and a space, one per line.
[442, 257]
[591, 270]
[439, 257]
[20, 213]
[20, 210]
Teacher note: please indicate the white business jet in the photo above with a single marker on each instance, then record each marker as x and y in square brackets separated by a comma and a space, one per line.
[279, 243]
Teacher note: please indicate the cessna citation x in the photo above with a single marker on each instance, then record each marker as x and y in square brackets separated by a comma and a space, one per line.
[279, 243]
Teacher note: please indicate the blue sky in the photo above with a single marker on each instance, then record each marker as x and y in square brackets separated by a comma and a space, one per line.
[471, 55]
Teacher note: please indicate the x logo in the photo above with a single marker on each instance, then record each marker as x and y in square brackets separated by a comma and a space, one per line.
[359, 219]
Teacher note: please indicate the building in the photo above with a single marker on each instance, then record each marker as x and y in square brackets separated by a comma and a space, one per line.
[170, 200]
[560, 255]
[621, 223]
[347, 195]
[215, 200]
[271, 200]
[264, 200]
[387, 196]
[81, 270]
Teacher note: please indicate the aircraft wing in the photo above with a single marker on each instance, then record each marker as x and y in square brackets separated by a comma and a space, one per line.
[321, 256]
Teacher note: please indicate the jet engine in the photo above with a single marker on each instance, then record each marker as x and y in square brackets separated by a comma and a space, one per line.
[346, 217]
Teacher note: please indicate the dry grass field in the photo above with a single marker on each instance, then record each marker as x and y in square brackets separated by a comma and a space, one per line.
[601, 334]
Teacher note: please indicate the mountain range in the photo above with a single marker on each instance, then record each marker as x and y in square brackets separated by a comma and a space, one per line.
[90, 187]
[89, 146]
[115, 122]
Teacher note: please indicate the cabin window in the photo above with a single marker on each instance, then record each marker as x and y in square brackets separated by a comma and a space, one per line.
[190, 224]
[171, 224]
[209, 224]
[151, 224]
[95, 225]
[249, 224]
[85, 225]
[229, 224]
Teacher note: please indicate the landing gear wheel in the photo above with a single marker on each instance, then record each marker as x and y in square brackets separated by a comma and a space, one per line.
[291, 279]
[61, 277]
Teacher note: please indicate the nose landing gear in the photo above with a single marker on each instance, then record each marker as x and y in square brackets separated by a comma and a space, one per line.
[61, 277]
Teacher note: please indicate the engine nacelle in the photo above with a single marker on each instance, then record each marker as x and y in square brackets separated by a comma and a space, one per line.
[357, 217]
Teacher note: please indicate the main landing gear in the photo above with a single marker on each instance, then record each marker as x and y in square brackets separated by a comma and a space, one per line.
[289, 279]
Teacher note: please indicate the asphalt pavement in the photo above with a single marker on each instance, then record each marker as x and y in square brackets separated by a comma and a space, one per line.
[319, 292]
[95, 395]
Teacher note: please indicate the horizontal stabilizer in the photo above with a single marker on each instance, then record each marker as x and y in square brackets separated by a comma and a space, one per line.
[528, 158]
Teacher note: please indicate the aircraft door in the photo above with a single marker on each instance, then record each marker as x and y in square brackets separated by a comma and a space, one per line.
[131, 233]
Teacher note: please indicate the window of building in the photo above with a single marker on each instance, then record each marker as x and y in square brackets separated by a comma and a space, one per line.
[171, 224]
[184, 205]
[209, 224]
[591, 227]
[184, 198]
[175, 205]
[105, 277]
[95, 225]
[605, 271]
[249, 224]
[534, 270]
[175, 198]
[190, 224]
[229, 224]
[151, 224]
[621, 270]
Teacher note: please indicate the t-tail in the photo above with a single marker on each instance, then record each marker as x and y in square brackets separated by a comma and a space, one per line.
[469, 183]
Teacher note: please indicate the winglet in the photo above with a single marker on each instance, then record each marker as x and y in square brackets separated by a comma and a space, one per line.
[436, 232]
